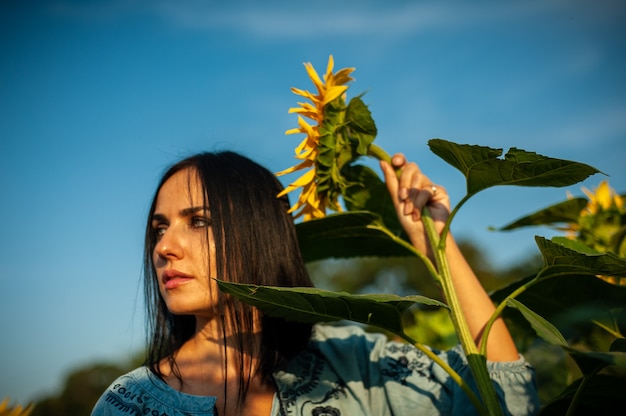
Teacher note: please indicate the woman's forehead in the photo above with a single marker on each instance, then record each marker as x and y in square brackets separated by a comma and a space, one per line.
[184, 185]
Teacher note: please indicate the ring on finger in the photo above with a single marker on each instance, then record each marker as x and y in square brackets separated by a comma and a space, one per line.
[433, 189]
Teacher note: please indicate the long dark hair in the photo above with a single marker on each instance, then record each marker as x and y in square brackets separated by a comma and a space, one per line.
[255, 242]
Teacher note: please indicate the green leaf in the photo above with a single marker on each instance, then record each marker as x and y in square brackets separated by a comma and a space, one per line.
[367, 192]
[619, 345]
[601, 395]
[316, 305]
[570, 245]
[348, 234]
[483, 168]
[569, 300]
[542, 327]
[562, 255]
[563, 212]
[360, 124]
[569, 293]
[590, 362]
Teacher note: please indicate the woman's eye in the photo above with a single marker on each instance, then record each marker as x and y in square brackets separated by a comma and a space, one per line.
[159, 231]
[200, 222]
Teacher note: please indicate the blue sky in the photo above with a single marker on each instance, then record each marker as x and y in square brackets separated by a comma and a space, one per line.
[97, 98]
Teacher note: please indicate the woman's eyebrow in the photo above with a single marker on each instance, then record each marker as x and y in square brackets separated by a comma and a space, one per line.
[185, 212]
[194, 210]
[158, 218]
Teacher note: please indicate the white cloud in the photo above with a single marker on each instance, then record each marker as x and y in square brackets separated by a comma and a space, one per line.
[354, 18]
[331, 18]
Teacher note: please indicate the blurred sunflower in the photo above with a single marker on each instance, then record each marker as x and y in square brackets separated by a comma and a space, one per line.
[319, 191]
[602, 223]
[5, 410]
[604, 199]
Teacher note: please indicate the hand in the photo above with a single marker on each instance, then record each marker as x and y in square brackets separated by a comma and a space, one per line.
[410, 193]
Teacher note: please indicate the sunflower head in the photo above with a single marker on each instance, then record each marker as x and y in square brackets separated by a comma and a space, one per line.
[336, 134]
[602, 223]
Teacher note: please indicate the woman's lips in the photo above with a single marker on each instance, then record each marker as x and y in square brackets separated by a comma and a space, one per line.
[173, 278]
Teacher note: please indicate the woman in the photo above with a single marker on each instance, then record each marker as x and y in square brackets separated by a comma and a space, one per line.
[216, 215]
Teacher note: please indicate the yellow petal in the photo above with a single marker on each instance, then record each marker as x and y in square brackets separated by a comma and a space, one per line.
[603, 195]
[302, 200]
[309, 154]
[286, 190]
[304, 179]
[343, 76]
[314, 77]
[293, 131]
[329, 67]
[313, 115]
[305, 144]
[333, 93]
[305, 94]
[307, 110]
[303, 106]
[312, 198]
[589, 194]
[308, 190]
[302, 165]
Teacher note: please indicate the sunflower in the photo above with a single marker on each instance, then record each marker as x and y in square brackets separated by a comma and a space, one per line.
[18, 410]
[316, 197]
[603, 199]
[601, 224]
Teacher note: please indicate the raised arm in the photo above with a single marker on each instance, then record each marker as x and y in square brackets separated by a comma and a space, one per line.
[410, 192]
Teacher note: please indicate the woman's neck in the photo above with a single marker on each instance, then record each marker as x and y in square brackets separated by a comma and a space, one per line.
[213, 346]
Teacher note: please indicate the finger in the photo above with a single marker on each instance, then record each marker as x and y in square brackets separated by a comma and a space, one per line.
[421, 190]
[398, 160]
[410, 182]
[421, 199]
[391, 180]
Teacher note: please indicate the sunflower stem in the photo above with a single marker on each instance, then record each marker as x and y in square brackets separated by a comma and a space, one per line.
[378, 153]
[476, 361]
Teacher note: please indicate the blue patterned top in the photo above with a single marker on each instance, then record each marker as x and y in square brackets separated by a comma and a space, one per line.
[345, 371]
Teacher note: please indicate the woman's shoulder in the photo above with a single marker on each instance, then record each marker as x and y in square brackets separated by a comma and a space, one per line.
[346, 367]
[351, 341]
[140, 391]
[353, 352]
[350, 348]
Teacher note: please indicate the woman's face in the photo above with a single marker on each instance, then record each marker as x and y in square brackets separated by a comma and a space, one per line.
[184, 253]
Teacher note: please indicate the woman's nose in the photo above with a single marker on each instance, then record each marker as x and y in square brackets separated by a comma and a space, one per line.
[168, 245]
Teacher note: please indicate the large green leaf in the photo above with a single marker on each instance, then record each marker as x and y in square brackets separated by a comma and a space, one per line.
[569, 291]
[569, 299]
[563, 255]
[348, 234]
[542, 327]
[483, 167]
[564, 212]
[317, 305]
